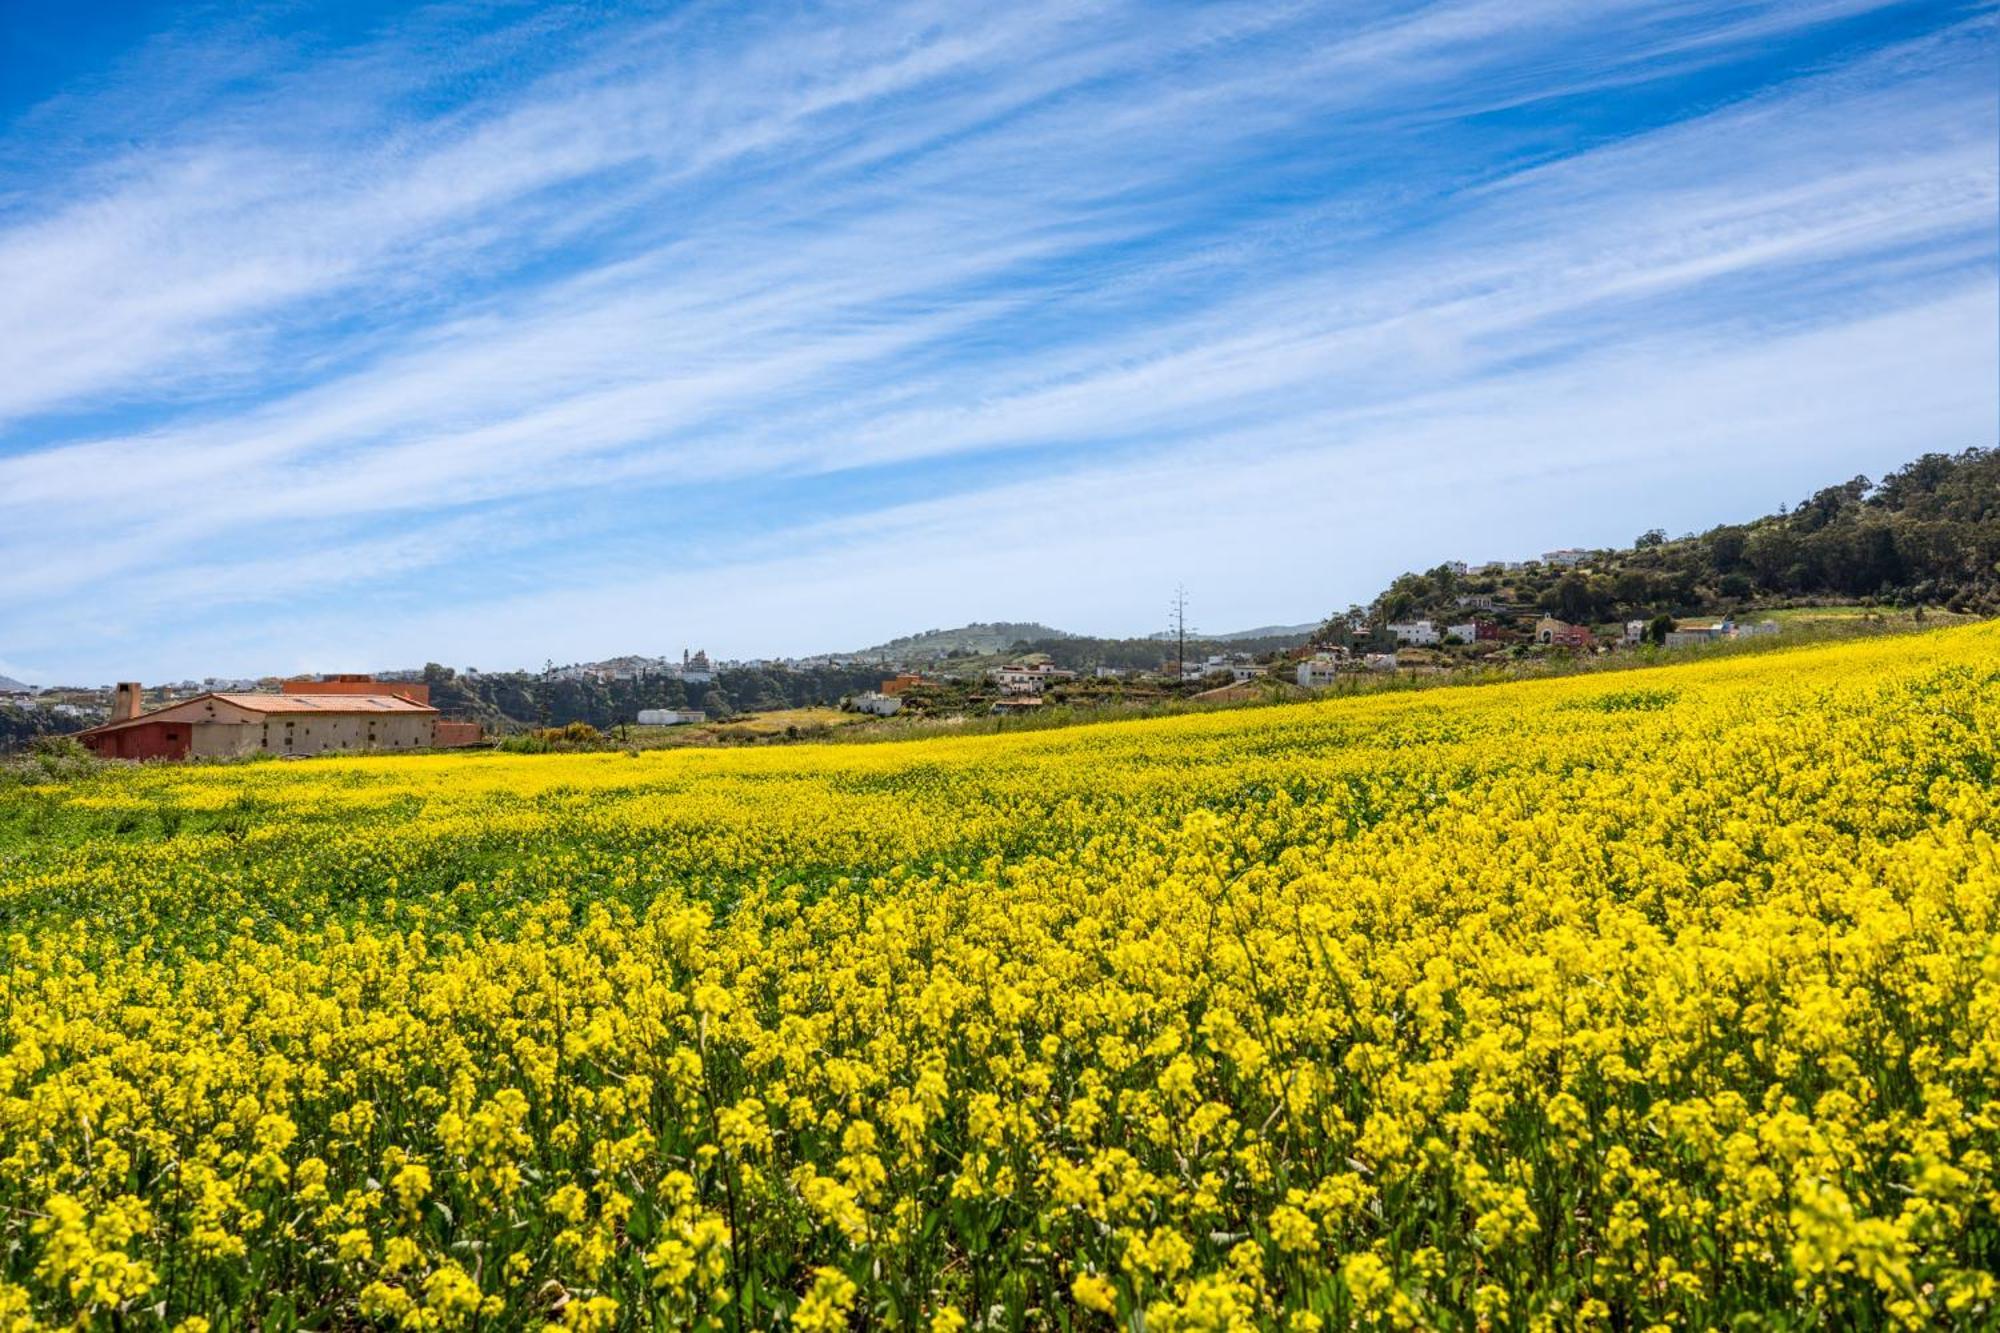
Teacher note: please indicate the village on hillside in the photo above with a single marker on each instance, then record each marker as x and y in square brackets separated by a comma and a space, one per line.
[395, 710]
[1493, 631]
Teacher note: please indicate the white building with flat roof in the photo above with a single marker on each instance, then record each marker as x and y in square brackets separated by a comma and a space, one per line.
[877, 704]
[670, 717]
[1322, 669]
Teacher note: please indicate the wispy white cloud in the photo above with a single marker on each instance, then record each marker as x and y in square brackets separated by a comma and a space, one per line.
[728, 251]
[1269, 528]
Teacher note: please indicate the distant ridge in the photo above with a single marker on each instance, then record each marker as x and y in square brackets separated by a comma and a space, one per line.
[985, 640]
[979, 637]
[1236, 636]
[8, 685]
[1267, 632]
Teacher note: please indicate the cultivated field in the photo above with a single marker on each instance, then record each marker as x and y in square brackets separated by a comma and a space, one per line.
[1652, 999]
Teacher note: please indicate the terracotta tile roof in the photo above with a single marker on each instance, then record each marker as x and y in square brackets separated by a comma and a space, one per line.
[179, 710]
[325, 703]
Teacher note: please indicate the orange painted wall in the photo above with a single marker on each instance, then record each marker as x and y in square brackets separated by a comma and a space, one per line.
[408, 689]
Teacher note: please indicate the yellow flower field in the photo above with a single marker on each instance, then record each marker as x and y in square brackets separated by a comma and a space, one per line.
[1661, 999]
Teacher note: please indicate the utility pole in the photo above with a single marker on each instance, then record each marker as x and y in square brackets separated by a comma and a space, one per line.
[1180, 634]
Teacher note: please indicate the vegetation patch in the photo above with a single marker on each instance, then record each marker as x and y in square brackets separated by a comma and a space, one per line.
[1530, 1006]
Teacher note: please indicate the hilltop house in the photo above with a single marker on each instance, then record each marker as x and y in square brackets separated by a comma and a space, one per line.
[1419, 633]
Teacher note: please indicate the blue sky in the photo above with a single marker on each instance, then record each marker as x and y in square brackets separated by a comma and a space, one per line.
[347, 336]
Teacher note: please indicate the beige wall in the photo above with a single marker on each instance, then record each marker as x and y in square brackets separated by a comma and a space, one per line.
[314, 733]
[219, 738]
[326, 733]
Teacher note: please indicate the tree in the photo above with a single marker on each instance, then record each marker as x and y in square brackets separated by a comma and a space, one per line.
[1658, 628]
[1632, 587]
[1649, 539]
[1771, 550]
[1829, 504]
[1725, 548]
[1573, 599]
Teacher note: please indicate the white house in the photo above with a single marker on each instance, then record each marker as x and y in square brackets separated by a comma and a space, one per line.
[1415, 632]
[1466, 633]
[1243, 671]
[1321, 669]
[1029, 679]
[1569, 557]
[878, 704]
[1379, 662]
[1635, 631]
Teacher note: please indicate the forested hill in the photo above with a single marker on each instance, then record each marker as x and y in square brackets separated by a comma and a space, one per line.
[506, 701]
[1926, 534]
[975, 639]
[1077, 652]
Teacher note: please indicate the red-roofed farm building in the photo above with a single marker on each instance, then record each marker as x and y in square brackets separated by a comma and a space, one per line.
[240, 724]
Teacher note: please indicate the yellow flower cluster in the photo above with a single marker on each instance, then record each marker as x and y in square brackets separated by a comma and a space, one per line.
[1666, 1000]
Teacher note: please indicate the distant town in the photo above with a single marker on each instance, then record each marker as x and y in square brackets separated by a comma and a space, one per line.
[941, 673]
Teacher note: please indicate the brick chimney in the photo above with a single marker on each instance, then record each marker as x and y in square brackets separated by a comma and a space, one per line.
[125, 701]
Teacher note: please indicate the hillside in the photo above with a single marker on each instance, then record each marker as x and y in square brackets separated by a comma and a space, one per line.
[1288, 633]
[1926, 534]
[1292, 633]
[507, 701]
[977, 639]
